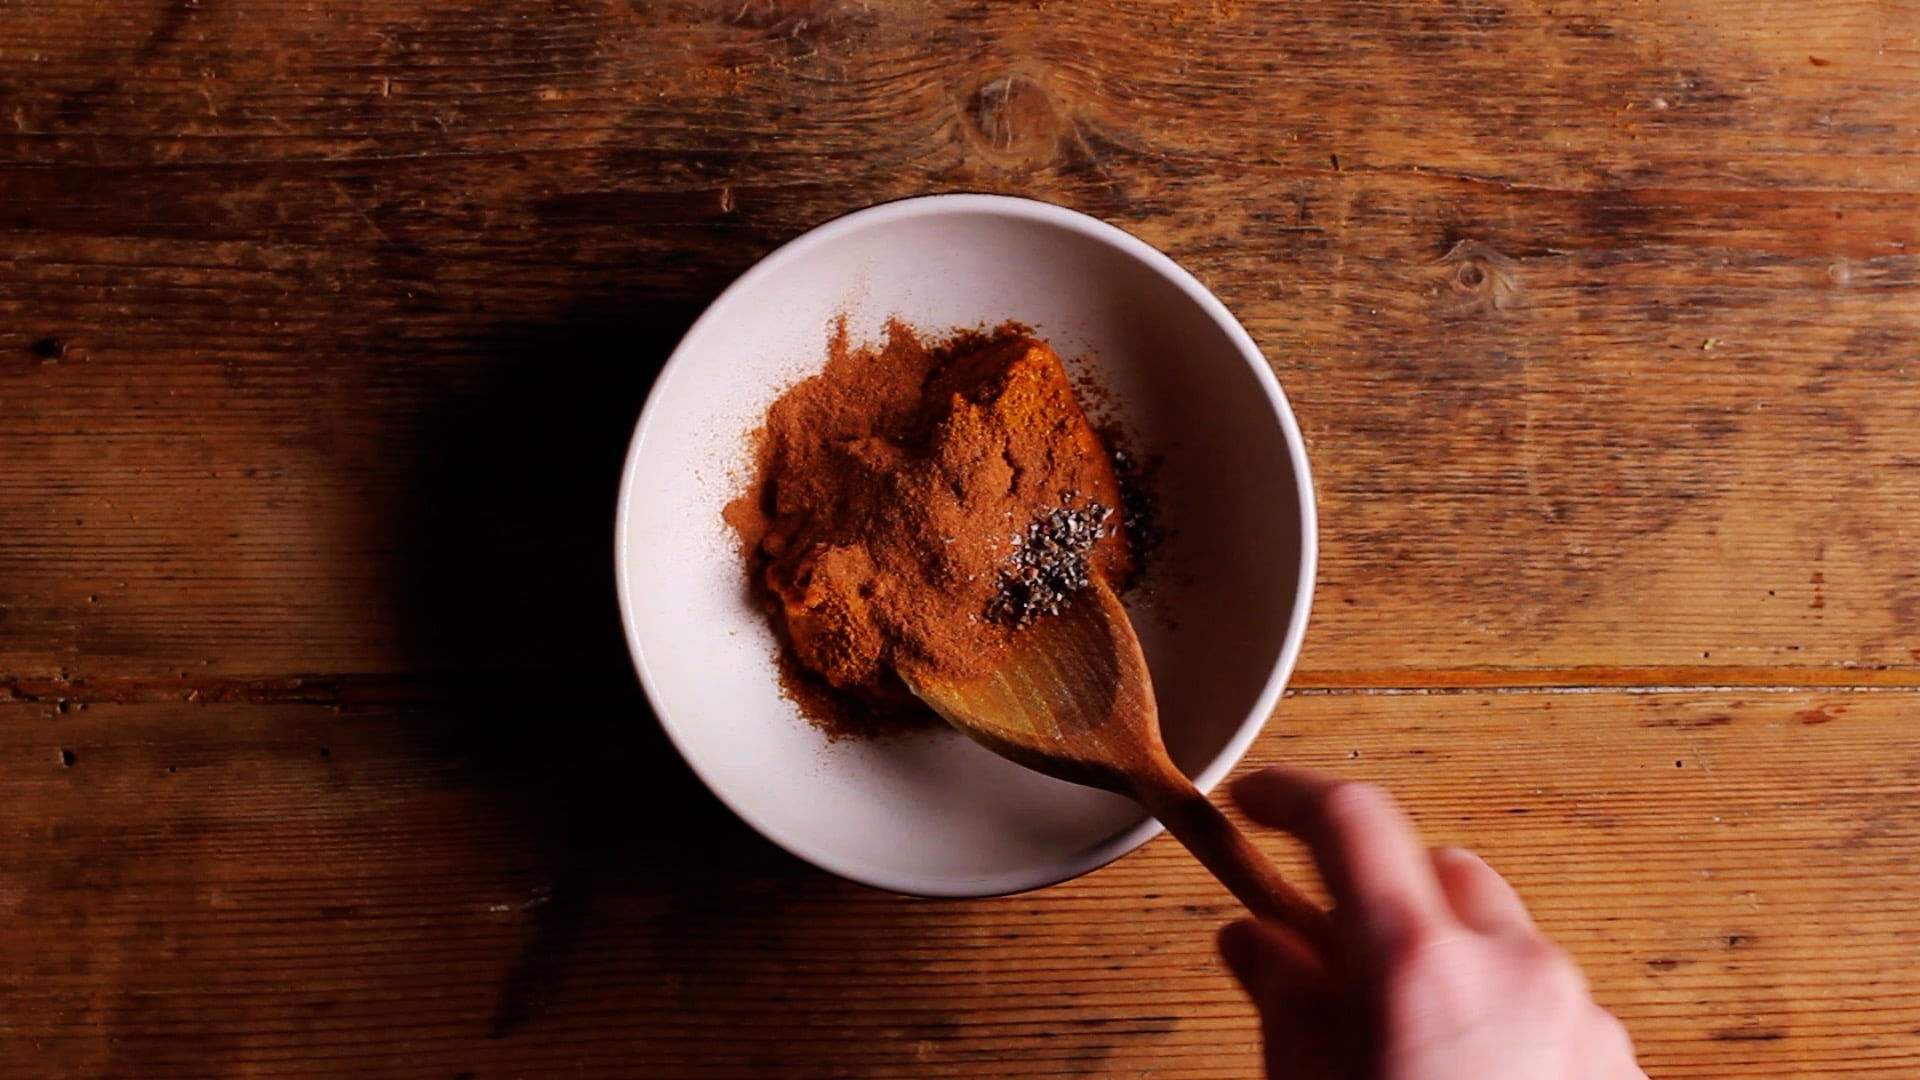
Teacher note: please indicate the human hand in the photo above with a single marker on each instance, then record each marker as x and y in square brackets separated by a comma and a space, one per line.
[1437, 971]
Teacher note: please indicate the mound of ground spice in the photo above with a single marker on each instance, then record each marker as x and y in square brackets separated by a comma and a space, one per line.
[920, 501]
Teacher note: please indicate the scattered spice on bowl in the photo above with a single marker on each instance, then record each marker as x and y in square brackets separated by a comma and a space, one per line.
[923, 499]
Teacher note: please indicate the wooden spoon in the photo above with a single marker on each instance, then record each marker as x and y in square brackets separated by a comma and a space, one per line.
[1073, 700]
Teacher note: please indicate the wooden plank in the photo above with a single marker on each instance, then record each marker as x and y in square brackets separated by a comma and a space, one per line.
[311, 320]
[246, 889]
[1557, 483]
[1578, 91]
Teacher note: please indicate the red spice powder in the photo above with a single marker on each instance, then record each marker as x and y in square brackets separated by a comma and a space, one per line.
[917, 501]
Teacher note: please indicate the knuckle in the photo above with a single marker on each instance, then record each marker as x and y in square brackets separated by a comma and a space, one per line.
[1543, 956]
[1547, 971]
[1429, 954]
[1352, 802]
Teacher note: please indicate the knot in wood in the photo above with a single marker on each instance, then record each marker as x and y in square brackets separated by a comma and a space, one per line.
[1474, 277]
[805, 26]
[1012, 121]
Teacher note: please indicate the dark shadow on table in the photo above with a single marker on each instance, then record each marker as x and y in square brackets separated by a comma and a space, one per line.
[509, 607]
[509, 604]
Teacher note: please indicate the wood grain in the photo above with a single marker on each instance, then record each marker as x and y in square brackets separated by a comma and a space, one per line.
[289, 889]
[323, 328]
[1605, 369]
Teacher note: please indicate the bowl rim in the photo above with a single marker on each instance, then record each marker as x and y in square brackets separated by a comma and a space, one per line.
[1051, 214]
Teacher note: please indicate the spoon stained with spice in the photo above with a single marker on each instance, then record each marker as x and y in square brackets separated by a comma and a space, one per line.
[1073, 699]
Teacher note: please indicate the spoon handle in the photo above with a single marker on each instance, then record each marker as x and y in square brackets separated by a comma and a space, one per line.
[1232, 857]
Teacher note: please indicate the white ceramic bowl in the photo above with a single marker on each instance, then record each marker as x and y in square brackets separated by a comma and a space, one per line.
[936, 815]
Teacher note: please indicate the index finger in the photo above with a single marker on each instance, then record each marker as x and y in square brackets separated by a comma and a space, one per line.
[1383, 883]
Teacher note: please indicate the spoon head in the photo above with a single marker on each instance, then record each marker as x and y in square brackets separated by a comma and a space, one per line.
[1072, 699]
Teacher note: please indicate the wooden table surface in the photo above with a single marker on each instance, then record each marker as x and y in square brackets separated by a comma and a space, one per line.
[323, 328]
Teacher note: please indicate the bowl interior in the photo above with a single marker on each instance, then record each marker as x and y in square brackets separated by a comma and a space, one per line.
[1225, 599]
